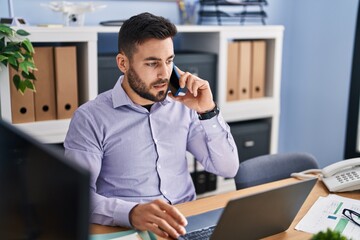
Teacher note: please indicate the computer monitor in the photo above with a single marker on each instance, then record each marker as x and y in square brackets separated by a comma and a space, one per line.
[42, 194]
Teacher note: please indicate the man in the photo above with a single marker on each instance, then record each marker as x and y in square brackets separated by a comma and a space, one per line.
[134, 137]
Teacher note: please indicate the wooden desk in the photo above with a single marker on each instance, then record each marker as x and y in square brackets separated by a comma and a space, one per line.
[214, 202]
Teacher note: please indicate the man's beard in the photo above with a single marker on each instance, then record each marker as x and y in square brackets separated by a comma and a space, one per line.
[142, 90]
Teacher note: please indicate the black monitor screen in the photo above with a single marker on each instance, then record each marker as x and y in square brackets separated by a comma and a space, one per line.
[42, 194]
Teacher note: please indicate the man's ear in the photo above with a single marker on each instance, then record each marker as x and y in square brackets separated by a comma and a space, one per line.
[122, 62]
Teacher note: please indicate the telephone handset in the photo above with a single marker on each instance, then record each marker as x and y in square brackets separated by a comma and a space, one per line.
[338, 177]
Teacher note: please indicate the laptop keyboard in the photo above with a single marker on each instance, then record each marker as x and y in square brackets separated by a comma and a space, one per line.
[201, 234]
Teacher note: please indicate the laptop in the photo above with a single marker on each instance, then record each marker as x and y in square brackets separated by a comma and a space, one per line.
[252, 216]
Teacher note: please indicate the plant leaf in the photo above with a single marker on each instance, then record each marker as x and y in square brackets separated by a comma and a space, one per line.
[5, 63]
[11, 48]
[26, 44]
[6, 30]
[26, 66]
[30, 65]
[15, 67]
[29, 84]
[3, 58]
[22, 87]
[17, 53]
[28, 75]
[19, 56]
[13, 61]
[28, 57]
[22, 32]
[2, 43]
[16, 81]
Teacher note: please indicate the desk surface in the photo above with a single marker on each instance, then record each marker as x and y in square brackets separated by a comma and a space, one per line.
[218, 201]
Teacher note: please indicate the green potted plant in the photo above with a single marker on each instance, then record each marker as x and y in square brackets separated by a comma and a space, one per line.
[329, 235]
[16, 51]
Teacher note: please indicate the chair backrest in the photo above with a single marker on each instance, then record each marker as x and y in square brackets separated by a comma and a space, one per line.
[272, 167]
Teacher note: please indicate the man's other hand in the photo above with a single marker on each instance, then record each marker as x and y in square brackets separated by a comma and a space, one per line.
[158, 217]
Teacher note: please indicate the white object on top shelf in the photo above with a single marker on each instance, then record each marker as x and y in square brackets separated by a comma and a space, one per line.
[73, 12]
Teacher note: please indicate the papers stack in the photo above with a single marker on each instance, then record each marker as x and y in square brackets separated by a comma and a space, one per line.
[327, 213]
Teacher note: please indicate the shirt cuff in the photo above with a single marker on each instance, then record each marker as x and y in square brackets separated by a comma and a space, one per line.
[121, 213]
[214, 125]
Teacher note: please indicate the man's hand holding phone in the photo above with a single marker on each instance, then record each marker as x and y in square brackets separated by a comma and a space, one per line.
[197, 96]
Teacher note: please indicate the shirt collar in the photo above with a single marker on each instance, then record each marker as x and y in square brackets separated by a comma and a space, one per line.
[120, 98]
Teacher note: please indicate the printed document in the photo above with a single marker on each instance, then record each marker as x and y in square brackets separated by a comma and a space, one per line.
[124, 235]
[327, 213]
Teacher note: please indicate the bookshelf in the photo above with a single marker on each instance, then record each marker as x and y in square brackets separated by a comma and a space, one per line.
[215, 39]
[241, 110]
[212, 39]
[85, 40]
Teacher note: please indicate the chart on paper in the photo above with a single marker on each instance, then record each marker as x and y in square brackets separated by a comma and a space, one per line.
[327, 213]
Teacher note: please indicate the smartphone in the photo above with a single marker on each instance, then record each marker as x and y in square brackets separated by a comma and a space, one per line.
[174, 85]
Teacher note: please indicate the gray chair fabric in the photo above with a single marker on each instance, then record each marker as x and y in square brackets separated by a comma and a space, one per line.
[272, 167]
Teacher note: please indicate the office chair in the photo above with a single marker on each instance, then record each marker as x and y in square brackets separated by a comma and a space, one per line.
[272, 167]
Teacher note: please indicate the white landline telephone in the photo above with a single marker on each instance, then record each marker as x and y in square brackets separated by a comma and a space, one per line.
[342, 176]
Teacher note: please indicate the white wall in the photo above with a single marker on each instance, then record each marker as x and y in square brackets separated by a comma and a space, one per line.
[317, 57]
[37, 14]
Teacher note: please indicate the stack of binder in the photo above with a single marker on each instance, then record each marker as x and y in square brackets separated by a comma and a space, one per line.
[238, 11]
[56, 95]
[246, 70]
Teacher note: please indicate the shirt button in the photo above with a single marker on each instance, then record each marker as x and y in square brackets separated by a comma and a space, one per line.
[165, 192]
[214, 126]
[159, 166]
[155, 140]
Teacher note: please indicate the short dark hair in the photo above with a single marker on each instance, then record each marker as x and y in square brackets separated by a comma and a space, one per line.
[139, 28]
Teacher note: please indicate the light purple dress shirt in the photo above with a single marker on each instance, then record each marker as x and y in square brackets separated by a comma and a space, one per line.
[137, 156]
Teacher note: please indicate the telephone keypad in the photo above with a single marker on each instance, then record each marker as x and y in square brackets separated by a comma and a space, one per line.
[349, 176]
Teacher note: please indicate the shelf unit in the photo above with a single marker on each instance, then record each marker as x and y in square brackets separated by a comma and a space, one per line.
[85, 39]
[213, 39]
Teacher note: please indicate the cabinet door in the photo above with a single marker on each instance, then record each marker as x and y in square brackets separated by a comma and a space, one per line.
[252, 138]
